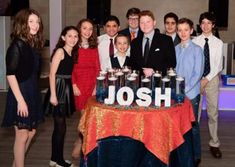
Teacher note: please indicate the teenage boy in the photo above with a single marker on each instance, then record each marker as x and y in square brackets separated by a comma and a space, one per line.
[190, 65]
[132, 31]
[106, 41]
[153, 51]
[170, 24]
[212, 47]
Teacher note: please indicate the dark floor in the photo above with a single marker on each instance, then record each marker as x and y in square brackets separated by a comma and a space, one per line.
[39, 153]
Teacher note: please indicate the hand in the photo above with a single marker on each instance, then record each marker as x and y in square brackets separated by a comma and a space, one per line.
[76, 90]
[94, 92]
[148, 72]
[53, 100]
[22, 109]
[203, 84]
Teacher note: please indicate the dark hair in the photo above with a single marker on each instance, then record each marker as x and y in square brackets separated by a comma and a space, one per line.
[112, 18]
[132, 11]
[121, 35]
[61, 42]
[171, 15]
[92, 41]
[146, 13]
[21, 29]
[208, 16]
[187, 21]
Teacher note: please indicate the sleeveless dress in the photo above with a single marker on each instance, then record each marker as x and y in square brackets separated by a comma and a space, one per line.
[84, 74]
[64, 91]
[30, 92]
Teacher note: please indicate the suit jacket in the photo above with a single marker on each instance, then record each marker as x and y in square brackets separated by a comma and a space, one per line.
[161, 54]
[127, 32]
[115, 62]
[177, 40]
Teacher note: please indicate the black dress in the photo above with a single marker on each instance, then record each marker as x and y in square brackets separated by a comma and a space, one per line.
[64, 91]
[30, 92]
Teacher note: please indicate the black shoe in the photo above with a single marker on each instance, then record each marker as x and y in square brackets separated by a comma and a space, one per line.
[64, 164]
[197, 162]
[215, 151]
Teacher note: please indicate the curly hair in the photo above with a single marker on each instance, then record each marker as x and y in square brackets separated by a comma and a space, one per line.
[92, 41]
[61, 43]
[21, 28]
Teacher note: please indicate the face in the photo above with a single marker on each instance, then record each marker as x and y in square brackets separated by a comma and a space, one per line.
[133, 21]
[184, 31]
[111, 28]
[71, 38]
[122, 44]
[86, 30]
[206, 26]
[170, 25]
[33, 23]
[147, 24]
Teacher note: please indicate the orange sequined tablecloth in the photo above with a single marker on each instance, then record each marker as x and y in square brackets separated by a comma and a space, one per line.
[161, 130]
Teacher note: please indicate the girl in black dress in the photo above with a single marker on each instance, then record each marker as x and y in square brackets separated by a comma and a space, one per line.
[23, 105]
[60, 95]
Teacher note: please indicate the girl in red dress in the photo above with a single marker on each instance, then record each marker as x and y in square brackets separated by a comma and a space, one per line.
[85, 71]
[88, 66]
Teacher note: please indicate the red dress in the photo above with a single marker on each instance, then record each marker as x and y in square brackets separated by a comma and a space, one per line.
[84, 74]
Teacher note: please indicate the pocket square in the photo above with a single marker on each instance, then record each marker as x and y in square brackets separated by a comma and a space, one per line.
[157, 49]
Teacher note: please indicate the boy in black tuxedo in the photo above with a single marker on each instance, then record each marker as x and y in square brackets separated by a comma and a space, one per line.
[152, 51]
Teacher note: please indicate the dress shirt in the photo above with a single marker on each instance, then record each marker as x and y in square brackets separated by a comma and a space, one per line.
[135, 30]
[216, 55]
[103, 48]
[190, 65]
[150, 37]
[173, 36]
[121, 59]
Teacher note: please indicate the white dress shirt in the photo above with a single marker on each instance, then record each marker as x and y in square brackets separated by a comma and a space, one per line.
[216, 53]
[103, 48]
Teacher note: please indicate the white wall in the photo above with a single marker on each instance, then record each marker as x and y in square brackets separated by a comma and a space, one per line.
[4, 38]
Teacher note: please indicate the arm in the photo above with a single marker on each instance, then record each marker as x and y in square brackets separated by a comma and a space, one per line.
[12, 62]
[58, 56]
[97, 62]
[22, 108]
[216, 62]
[76, 90]
[197, 69]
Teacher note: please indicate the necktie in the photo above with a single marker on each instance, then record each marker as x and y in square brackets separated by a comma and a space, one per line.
[207, 58]
[146, 51]
[132, 35]
[111, 48]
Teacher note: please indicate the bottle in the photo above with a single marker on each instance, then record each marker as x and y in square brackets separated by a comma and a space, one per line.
[180, 89]
[100, 88]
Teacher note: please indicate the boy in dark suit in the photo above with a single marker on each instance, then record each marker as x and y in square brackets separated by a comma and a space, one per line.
[170, 24]
[152, 51]
[132, 31]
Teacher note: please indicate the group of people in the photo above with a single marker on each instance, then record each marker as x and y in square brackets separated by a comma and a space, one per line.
[78, 57]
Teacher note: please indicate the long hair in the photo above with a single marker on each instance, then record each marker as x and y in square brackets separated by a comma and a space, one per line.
[61, 43]
[92, 41]
[21, 29]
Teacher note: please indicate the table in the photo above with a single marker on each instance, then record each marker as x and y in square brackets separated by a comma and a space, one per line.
[161, 130]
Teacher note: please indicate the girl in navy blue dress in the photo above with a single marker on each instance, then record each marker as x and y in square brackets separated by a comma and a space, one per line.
[59, 100]
[23, 105]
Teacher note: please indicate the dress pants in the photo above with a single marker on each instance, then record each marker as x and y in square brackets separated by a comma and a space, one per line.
[212, 96]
